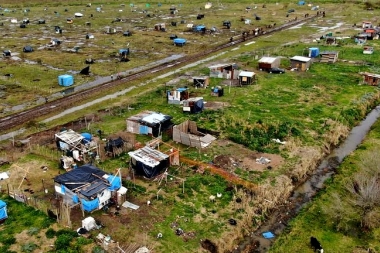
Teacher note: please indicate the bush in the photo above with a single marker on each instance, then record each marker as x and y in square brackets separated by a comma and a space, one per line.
[50, 233]
[63, 241]
[29, 247]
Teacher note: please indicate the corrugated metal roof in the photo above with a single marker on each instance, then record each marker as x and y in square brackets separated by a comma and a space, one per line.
[148, 156]
[267, 59]
[247, 73]
[300, 58]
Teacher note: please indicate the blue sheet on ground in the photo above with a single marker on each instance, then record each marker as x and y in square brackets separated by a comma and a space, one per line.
[268, 235]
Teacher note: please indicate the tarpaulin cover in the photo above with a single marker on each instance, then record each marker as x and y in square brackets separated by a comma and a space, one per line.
[90, 205]
[3, 210]
[268, 235]
[147, 171]
[198, 106]
[114, 143]
[65, 80]
[75, 199]
[115, 182]
[80, 176]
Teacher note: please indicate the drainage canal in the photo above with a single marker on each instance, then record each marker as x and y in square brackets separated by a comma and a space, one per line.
[303, 194]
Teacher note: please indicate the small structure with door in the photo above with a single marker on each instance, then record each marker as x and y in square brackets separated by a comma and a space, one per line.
[266, 63]
[193, 105]
[189, 134]
[149, 123]
[87, 186]
[246, 77]
[370, 78]
[201, 81]
[300, 63]
[177, 95]
[227, 71]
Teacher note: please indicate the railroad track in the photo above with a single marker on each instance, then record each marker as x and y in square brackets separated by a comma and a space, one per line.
[20, 118]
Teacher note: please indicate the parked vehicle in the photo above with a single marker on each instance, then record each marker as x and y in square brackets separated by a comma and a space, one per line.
[276, 70]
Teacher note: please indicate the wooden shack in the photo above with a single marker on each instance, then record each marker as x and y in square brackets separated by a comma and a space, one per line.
[370, 78]
[227, 71]
[267, 63]
[201, 81]
[329, 56]
[187, 133]
[246, 77]
[300, 62]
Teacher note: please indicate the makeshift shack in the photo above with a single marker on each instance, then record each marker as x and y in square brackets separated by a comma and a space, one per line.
[149, 123]
[201, 81]
[115, 147]
[227, 71]
[148, 162]
[174, 97]
[7, 53]
[187, 133]
[361, 38]
[199, 28]
[123, 53]
[79, 146]
[300, 63]
[329, 56]
[370, 78]
[266, 63]
[88, 186]
[371, 33]
[65, 80]
[27, 49]
[217, 91]
[160, 27]
[367, 50]
[246, 77]
[193, 105]
[366, 24]
[109, 30]
[3, 211]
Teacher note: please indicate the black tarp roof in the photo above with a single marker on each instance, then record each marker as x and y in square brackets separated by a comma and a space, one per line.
[80, 176]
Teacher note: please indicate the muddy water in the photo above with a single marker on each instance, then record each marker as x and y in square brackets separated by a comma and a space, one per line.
[304, 192]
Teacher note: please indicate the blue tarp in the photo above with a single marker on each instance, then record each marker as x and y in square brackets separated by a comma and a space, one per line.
[301, 3]
[90, 205]
[65, 80]
[115, 182]
[144, 129]
[268, 235]
[313, 52]
[179, 41]
[87, 137]
[3, 210]
[75, 199]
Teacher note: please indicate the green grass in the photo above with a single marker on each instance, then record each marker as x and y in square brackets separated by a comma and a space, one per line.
[314, 221]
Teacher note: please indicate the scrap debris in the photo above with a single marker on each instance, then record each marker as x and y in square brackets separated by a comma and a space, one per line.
[263, 160]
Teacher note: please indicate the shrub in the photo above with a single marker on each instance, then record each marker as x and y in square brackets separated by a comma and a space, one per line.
[50, 233]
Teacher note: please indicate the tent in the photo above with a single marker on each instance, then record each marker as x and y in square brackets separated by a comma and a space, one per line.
[301, 2]
[27, 49]
[65, 80]
[179, 42]
[3, 211]
[78, 15]
[127, 33]
[85, 71]
[199, 28]
[7, 53]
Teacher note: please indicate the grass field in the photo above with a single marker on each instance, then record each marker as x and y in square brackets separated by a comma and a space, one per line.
[310, 110]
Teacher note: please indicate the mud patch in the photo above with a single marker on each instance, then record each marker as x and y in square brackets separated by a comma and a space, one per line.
[235, 156]
[209, 245]
[214, 105]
